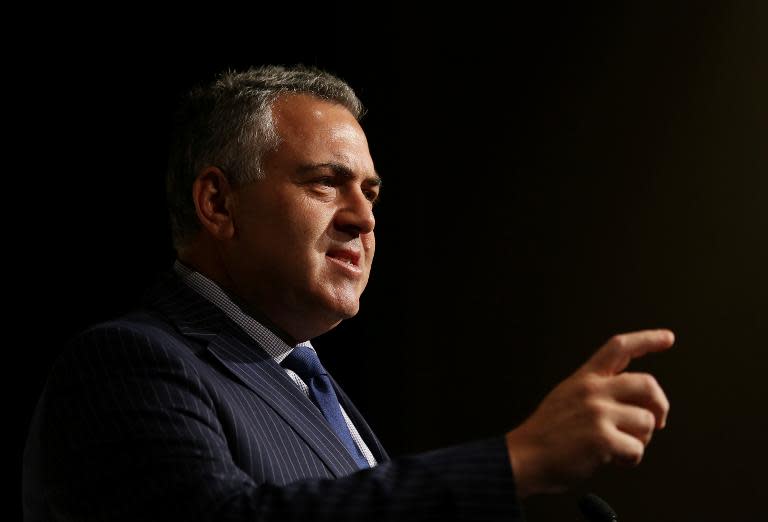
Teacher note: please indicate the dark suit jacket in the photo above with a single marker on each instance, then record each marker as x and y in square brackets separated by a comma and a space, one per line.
[173, 413]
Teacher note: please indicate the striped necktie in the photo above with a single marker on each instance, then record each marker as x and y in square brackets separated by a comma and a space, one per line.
[304, 361]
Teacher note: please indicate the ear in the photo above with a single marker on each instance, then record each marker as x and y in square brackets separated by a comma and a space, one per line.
[213, 197]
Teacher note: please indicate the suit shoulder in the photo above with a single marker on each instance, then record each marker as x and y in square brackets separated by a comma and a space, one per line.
[138, 338]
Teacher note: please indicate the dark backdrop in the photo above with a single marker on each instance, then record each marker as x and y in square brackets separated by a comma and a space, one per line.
[552, 176]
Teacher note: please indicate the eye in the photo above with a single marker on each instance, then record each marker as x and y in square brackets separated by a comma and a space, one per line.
[327, 181]
[372, 195]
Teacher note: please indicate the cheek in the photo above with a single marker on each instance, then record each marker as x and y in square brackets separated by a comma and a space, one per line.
[369, 245]
[305, 225]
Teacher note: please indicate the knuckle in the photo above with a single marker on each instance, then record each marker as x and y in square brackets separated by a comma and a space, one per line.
[647, 438]
[647, 426]
[595, 410]
[590, 386]
[664, 405]
[651, 388]
[603, 439]
[618, 341]
[649, 421]
[630, 455]
[649, 383]
[636, 455]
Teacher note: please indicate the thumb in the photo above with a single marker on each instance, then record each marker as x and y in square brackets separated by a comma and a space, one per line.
[615, 355]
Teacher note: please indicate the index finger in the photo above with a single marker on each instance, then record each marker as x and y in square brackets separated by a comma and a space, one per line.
[614, 356]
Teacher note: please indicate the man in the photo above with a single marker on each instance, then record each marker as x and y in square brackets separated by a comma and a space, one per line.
[209, 403]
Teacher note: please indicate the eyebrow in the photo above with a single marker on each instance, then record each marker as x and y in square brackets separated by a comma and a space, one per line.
[343, 171]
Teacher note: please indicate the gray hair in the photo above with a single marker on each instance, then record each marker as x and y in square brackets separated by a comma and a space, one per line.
[228, 124]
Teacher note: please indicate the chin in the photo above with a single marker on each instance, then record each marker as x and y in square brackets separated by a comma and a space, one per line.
[326, 317]
[342, 307]
[347, 311]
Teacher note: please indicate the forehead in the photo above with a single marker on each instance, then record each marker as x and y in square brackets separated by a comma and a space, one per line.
[313, 130]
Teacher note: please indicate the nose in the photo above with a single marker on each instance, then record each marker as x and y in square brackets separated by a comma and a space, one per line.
[355, 215]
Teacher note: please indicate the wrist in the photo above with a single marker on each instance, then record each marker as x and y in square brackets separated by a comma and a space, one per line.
[529, 464]
[519, 458]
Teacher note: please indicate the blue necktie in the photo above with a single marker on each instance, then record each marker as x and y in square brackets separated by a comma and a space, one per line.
[303, 360]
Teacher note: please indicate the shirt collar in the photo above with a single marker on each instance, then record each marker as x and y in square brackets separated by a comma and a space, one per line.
[266, 338]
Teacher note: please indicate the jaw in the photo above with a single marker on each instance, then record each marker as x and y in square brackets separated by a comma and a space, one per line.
[312, 304]
[304, 316]
[338, 300]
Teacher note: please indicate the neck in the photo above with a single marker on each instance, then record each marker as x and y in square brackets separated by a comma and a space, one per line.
[208, 262]
[290, 323]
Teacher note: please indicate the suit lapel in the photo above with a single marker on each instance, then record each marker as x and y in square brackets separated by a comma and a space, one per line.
[197, 318]
[362, 427]
[254, 368]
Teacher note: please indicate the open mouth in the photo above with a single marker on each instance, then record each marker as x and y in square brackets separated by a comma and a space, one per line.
[349, 258]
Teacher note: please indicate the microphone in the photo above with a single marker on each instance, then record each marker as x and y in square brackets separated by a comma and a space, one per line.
[596, 509]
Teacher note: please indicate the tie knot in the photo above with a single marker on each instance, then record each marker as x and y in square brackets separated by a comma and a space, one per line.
[304, 361]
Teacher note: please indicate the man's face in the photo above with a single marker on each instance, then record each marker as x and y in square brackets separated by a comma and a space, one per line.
[304, 242]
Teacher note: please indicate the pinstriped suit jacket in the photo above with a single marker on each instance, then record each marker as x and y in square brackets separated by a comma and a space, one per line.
[172, 413]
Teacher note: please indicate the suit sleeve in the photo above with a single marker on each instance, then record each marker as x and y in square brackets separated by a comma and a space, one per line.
[128, 431]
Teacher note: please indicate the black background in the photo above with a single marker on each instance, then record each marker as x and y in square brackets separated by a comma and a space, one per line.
[553, 175]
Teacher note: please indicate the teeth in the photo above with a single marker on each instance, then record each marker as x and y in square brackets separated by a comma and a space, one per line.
[345, 260]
